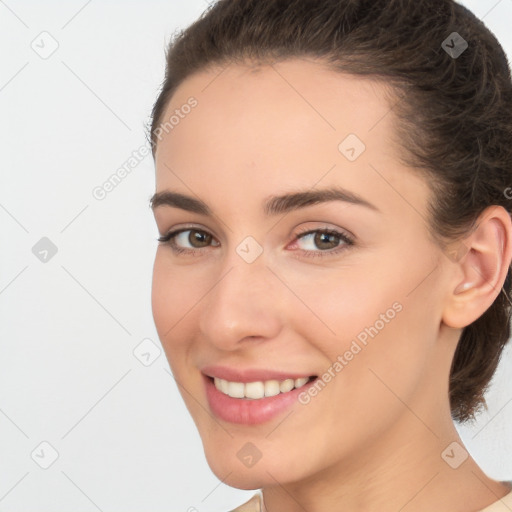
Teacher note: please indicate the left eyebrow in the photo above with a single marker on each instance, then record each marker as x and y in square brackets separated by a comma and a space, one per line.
[273, 205]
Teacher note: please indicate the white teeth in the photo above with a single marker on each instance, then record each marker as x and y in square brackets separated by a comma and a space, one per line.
[259, 389]
[300, 382]
[286, 385]
[236, 389]
[255, 390]
[272, 388]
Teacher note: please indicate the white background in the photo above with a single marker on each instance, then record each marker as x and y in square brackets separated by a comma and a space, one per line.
[68, 374]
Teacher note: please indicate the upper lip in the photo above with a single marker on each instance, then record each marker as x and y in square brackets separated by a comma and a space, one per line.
[250, 374]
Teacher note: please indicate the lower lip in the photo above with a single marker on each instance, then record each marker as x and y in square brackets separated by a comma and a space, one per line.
[247, 411]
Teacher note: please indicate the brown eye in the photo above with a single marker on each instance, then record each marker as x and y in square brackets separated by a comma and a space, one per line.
[187, 240]
[323, 242]
[199, 238]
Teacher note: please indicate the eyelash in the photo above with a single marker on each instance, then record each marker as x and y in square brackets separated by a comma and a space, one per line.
[169, 239]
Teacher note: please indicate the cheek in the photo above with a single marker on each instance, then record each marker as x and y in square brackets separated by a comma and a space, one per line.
[337, 305]
[172, 297]
[162, 296]
[175, 290]
[382, 320]
[385, 360]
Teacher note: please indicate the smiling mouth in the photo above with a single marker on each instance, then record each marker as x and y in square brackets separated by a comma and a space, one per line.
[259, 389]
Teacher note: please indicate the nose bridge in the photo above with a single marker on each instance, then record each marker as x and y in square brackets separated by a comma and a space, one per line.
[242, 302]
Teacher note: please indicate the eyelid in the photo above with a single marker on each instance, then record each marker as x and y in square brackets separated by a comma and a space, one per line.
[185, 227]
[325, 228]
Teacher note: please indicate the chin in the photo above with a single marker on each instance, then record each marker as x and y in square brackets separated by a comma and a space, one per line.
[233, 473]
[231, 470]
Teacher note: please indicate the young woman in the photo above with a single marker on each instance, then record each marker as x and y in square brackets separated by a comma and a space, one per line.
[333, 279]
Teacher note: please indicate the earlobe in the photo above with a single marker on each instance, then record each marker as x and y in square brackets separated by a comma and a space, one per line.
[484, 268]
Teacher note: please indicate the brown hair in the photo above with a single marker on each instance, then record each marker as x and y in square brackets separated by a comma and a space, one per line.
[454, 113]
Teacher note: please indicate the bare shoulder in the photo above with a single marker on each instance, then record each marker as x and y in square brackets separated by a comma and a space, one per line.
[504, 504]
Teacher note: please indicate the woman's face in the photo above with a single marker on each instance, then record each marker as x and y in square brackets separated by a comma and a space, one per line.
[252, 299]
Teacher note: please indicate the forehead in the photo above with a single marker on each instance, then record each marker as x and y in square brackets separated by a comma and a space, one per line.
[271, 127]
[263, 98]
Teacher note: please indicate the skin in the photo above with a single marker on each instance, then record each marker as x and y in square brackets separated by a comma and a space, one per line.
[372, 439]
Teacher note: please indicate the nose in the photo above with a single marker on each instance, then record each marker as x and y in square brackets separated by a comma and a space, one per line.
[246, 302]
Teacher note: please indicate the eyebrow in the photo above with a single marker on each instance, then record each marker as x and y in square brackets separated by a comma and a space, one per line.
[273, 205]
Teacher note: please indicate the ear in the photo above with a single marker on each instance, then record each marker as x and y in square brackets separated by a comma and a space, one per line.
[482, 261]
